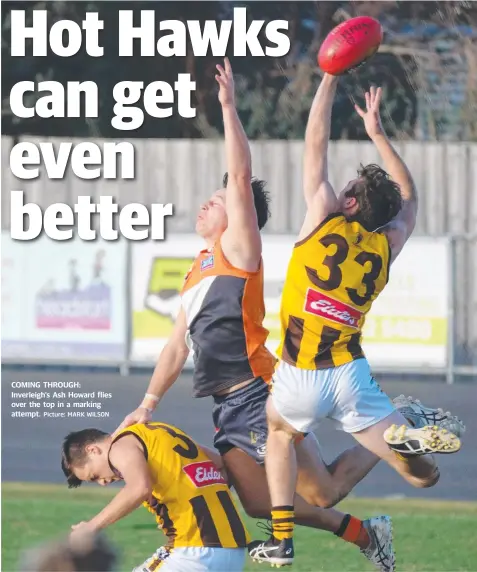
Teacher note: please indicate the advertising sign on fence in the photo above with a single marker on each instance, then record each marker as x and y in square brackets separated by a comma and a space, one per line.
[407, 326]
[63, 301]
[158, 272]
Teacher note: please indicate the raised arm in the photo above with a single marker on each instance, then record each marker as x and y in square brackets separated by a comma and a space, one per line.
[241, 241]
[319, 194]
[167, 370]
[401, 227]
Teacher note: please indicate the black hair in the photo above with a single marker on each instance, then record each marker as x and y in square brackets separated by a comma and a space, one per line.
[74, 452]
[378, 197]
[261, 198]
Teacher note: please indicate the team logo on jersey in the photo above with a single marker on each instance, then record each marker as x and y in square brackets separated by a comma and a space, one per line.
[207, 263]
[321, 305]
[262, 450]
[257, 439]
[204, 474]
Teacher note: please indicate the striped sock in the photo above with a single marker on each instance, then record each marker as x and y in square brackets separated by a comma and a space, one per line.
[353, 531]
[283, 522]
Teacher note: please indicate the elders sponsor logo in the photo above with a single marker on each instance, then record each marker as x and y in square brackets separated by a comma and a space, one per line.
[204, 474]
[320, 305]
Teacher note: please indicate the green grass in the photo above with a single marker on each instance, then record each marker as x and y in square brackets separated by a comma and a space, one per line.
[429, 535]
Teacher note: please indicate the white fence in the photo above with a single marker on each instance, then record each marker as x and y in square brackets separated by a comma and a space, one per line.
[103, 303]
[186, 172]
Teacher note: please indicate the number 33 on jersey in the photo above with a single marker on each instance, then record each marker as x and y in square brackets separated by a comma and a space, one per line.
[333, 277]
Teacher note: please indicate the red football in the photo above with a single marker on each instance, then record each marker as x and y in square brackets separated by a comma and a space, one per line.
[350, 44]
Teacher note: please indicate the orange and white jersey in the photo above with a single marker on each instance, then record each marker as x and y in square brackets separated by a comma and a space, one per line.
[224, 308]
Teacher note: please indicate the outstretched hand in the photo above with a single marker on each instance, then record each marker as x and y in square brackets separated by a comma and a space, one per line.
[371, 117]
[225, 79]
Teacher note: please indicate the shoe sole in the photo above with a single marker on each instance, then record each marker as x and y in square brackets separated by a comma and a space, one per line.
[431, 439]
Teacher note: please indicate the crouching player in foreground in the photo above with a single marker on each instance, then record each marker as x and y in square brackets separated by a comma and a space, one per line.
[167, 472]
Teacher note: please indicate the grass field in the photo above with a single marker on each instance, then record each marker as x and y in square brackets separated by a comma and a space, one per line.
[429, 535]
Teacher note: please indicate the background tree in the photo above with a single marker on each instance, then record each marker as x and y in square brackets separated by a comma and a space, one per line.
[427, 66]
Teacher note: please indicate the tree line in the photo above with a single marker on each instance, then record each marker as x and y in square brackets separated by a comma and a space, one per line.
[273, 94]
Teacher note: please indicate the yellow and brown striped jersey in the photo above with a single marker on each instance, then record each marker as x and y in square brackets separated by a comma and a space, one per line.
[190, 498]
[333, 277]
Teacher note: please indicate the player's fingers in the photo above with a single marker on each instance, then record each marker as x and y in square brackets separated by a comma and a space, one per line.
[221, 69]
[372, 92]
[220, 80]
[359, 111]
[377, 99]
[228, 67]
[367, 97]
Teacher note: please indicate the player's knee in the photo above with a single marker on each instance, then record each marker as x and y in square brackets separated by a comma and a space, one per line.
[328, 501]
[322, 499]
[432, 479]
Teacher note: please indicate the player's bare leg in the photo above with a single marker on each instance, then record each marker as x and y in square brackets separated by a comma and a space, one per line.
[250, 482]
[374, 536]
[282, 474]
[326, 485]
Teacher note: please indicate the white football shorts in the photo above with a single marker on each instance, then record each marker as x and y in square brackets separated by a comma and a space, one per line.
[202, 559]
[348, 395]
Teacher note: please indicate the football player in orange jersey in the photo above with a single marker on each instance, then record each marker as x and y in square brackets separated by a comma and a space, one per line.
[221, 320]
[339, 266]
[175, 479]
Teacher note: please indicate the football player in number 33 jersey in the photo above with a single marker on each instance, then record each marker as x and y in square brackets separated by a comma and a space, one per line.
[174, 478]
[338, 267]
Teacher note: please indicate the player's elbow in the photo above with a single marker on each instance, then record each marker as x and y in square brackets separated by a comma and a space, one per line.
[174, 355]
[143, 492]
[180, 353]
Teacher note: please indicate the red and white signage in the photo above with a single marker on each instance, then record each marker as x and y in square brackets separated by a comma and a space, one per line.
[321, 305]
[204, 474]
